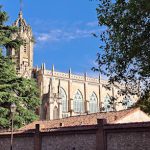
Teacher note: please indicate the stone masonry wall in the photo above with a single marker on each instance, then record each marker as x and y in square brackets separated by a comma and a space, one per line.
[128, 141]
[19, 143]
[69, 142]
[130, 136]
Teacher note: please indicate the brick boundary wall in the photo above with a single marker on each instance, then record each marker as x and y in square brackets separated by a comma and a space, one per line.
[81, 130]
[127, 130]
[105, 134]
[38, 134]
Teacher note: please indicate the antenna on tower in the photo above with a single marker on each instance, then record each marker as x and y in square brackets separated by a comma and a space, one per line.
[21, 5]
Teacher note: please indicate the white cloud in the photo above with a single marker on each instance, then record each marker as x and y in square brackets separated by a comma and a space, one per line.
[43, 37]
[55, 31]
[92, 23]
[59, 34]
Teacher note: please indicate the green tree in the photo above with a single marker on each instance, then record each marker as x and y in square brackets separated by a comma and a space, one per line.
[13, 89]
[125, 48]
[144, 102]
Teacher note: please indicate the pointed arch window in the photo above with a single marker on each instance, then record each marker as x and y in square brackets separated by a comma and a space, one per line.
[93, 103]
[64, 101]
[107, 105]
[127, 102]
[78, 104]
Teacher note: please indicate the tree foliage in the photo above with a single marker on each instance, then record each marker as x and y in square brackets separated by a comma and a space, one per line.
[13, 89]
[125, 50]
[144, 102]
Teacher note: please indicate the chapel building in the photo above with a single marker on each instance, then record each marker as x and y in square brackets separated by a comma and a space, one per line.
[66, 94]
[62, 94]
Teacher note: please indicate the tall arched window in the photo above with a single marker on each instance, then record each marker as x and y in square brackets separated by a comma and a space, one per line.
[127, 102]
[93, 103]
[64, 101]
[78, 104]
[107, 105]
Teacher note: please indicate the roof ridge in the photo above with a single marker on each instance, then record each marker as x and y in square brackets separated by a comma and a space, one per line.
[111, 117]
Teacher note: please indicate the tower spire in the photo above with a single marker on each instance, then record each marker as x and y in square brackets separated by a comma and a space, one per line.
[21, 5]
[20, 12]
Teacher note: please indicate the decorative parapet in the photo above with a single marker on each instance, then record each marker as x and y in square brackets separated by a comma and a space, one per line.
[48, 72]
[77, 77]
[61, 74]
[68, 76]
[72, 76]
[96, 80]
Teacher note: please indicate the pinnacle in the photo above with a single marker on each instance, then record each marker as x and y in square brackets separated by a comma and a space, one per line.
[20, 14]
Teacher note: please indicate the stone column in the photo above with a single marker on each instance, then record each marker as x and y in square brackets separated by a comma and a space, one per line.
[41, 81]
[113, 95]
[70, 97]
[59, 99]
[51, 108]
[60, 109]
[86, 98]
[100, 91]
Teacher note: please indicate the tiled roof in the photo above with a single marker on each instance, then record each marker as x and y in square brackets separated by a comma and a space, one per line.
[90, 119]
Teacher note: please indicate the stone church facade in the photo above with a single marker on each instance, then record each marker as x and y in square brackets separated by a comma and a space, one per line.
[67, 94]
[62, 94]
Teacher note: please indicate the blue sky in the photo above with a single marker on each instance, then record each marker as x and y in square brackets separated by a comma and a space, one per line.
[63, 32]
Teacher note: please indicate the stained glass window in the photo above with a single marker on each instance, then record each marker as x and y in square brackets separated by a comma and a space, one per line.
[93, 103]
[64, 101]
[78, 105]
[127, 102]
[107, 105]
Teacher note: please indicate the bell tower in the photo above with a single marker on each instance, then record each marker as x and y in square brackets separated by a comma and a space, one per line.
[22, 57]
